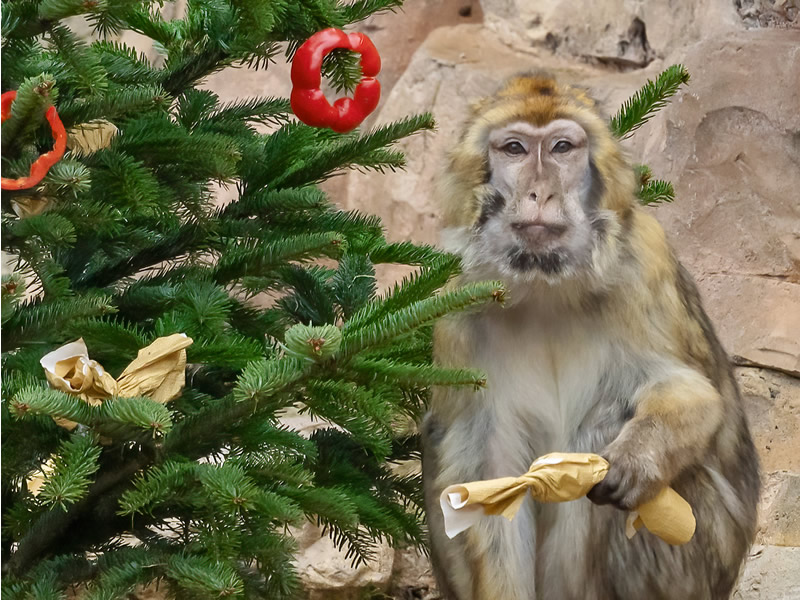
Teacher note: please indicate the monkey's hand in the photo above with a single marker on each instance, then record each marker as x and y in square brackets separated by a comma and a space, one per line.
[670, 430]
[632, 479]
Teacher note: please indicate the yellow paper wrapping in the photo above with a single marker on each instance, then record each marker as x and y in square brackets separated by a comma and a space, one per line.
[29, 206]
[90, 137]
[70, 370]
[158, 373]
[36, 481]
[561, 477]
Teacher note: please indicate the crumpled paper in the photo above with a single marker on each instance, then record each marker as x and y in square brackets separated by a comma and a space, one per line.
[87, 138]
[29, 206]
[159, 372]
[560, 477]
[36, 481]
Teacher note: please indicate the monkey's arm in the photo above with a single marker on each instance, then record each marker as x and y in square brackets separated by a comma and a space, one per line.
[675, 418]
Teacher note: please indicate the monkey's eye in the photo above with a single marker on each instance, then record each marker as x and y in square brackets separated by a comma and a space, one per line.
[514, 148]
[563, 146]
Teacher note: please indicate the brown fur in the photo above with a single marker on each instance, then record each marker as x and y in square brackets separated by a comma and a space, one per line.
[666, 410]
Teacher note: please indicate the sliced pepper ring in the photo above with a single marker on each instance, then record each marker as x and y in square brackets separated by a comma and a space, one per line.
[309, 103]
[41, 165]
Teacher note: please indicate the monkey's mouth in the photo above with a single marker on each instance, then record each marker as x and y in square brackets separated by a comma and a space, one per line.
[552, 262]
[538, 234]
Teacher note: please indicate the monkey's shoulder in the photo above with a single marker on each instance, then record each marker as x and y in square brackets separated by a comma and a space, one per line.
[669, 302]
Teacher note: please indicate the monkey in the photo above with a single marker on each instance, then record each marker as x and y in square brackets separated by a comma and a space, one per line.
[603, 346]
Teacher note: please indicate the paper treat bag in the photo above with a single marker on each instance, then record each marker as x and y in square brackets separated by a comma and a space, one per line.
[560, 477]
[158, 372]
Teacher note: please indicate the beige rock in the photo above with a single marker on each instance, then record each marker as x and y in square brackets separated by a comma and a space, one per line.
[770, 574]
[769, 13]
[780, 520]
[412, 577]
[621, 33]
[327, 573]
[734, 158]
[772, 401]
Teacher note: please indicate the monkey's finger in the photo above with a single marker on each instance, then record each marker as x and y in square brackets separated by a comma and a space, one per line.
[601, 493]
[614, 489]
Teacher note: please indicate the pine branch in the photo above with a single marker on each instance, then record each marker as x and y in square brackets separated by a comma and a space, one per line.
[419, 285]
[39, 400]
[267, 203]
[239, 260]
[656, 191]
[406, 253]
[342, 69]
[419, 375]
[123, 65]
[640, 107]
[361, 9]
[173, 245]
[125, 418]
[74, 463]
[47, 529]
[353, 151]
[205, 576]
[39, 316]
[265, 111]
[34, 96]
[417, 314]
[74, 63]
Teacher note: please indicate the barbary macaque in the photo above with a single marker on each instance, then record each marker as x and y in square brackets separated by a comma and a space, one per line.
[603, 346]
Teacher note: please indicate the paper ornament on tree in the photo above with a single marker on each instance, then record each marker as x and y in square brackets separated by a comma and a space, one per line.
[159, 372]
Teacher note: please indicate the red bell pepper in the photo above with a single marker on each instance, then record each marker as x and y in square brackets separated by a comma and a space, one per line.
[41, 165]
[309, 103]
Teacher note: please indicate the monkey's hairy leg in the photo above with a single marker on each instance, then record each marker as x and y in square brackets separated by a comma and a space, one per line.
[447, 564]
[674, 421]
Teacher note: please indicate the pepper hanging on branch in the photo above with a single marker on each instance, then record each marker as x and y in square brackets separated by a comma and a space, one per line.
[41, 165]
[309, 103]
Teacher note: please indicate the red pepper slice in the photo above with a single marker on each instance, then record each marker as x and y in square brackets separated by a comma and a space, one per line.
[41, 165]
[309, 103]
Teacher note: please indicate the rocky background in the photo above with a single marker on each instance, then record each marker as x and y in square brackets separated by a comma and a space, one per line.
[730, 142]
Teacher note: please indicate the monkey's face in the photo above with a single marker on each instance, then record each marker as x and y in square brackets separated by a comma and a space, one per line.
[536, 211]
[537, 187]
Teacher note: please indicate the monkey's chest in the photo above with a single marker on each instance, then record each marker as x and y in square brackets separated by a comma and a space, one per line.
[549, 389]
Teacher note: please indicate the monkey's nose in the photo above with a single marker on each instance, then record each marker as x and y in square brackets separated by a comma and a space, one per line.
[536, 197]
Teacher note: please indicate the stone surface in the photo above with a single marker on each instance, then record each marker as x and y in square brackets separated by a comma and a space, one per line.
[772, 401]
[412, 577]
[327, 573]
[769, 13]
[780, 519]
[623, 34]
[770, 574]
[733, 154]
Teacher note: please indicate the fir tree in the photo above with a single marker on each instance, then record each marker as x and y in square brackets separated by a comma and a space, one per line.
[131, 246]
[124, 243]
